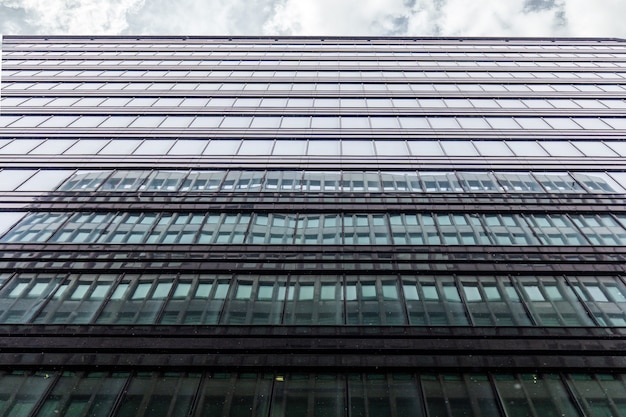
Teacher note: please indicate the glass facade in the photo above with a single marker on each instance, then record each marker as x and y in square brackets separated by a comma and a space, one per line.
[329, 300]
[210, 226]
[210, 393]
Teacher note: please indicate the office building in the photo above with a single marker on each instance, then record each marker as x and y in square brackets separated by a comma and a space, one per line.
[257, 226]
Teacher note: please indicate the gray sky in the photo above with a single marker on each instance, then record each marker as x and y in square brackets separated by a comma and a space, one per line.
[315, 17]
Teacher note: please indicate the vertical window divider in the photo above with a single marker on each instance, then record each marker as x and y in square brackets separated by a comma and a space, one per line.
[582, 302]
[121, 393]
[42, 398]
[515, 284]
[168, 297]
[459, 288]
[572, 394]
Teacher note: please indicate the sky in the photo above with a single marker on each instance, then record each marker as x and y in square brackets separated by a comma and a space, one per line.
[548, 18]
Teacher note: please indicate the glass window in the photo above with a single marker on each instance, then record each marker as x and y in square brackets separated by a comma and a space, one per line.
[425, 148]
[511, 104]
[595, 148]
[323, 147]
[414, 123]
[88, 121]
[27, 121]
[89, 102]
[147, 122]
[473, 123]
[86, 147]
[290, 147]
[176, 122]
[141, 102]
[358, 147]
[222, 147]
[532, 123]
[256, 147]
[240, 122]
[188, 147]
[120, 147]
[294, 122]
[493, 148]
[118, 121]
[58, 121]
[526, 148]
[502, 123]
[458, 148]
[115, 102]
[45, 180]
[20, 147]
[202, 121]
[443, 123]
[391, 147]
[354, 122]
[619, 147]
[560, 148]
[8, 219]
[384, 123]
[154, 147]
[321, 122]
[526, 394]
[10, 179]
[591, 123]
[561, 123]
[265, 122]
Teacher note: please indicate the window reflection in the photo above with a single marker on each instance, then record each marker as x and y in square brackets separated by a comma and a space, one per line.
[313, 300]
[315, 181]
[365, 394]
[309, 229]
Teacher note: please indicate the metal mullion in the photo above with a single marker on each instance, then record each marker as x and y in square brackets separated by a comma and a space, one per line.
[107, 297]
[401, 295]
[525, 218]
[167, 299]
[196, 399]
[421, 393]
[177, 389]
[548, 300]
[529, 399]
[582, 302]
[571, 393]
[444, 392]
[121, 394]
[444, 302]
[465, 305]
[93, 394]
[46, 300]
[47, 392]
[343, 281]
[497, 396]
[578, 229]
[134, 284]
[227, 297]
[526, 304]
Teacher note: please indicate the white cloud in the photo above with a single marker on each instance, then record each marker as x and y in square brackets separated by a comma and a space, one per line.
[416, 18]
[335, 17]
[597, 18]
[423, 18]
[316, 17]
[201, 17]
[498, 18]
[60, 17]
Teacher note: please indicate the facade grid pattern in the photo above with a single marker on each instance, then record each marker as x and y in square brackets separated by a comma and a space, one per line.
[312, 227]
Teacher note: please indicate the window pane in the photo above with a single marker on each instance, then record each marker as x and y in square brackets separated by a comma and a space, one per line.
[45, 180]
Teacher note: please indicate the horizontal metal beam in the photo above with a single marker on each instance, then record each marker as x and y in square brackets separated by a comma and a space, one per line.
[307, 347]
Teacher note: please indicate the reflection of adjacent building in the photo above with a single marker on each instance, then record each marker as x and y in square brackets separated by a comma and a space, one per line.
[345, 227]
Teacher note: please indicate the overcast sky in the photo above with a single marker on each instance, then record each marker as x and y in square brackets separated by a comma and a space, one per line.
[316, 17]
